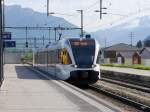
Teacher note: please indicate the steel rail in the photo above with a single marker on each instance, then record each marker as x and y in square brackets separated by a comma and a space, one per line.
[125, 84]
[125, 100]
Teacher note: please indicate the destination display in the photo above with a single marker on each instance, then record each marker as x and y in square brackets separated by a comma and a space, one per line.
[82, 43]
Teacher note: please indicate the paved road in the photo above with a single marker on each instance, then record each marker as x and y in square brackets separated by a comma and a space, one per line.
[24, 91]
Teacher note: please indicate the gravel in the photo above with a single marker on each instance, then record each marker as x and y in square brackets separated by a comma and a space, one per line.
[133, 94]
[123, 107]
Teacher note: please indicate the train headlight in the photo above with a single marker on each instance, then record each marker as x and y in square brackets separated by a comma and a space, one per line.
[93, 66]
[75, 66]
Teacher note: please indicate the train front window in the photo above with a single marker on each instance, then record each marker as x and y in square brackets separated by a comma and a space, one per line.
[84, 52]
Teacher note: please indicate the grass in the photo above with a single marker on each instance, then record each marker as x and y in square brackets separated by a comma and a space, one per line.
[141, 67]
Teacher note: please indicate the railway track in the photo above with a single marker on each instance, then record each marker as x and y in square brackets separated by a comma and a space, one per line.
[128, 85]
[125, 100]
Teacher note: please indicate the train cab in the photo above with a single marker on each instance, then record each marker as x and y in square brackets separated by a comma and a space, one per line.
[73, 60]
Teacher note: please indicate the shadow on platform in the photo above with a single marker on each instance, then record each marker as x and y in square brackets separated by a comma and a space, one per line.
[24, 73]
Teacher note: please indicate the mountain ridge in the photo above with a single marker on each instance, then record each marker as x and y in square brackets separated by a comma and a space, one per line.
[15, 15]
[121, 33]
[18, 16]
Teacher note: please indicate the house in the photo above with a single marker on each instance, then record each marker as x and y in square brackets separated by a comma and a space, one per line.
[145, 56]
[136, 58]
[122, 53]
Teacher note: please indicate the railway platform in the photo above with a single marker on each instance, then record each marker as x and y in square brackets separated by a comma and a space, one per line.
[145, 73]
[135, 76]
[26, 91]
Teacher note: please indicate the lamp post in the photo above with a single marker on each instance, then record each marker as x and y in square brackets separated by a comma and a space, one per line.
[81, 12]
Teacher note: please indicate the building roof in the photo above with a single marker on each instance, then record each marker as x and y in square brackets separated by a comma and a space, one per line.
[145, 53]
[145, 48]
[127, 54]
[121, 47]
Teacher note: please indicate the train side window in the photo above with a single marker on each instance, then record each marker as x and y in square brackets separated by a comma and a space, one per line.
[58, 55]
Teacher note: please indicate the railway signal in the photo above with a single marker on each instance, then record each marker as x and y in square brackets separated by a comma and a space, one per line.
[26, 44]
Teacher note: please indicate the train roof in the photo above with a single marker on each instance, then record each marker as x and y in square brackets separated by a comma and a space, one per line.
[61, 43]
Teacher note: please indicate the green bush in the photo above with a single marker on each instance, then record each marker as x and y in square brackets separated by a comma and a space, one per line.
[28, 57]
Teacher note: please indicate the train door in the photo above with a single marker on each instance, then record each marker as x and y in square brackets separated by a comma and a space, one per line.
[65, 58]
[63, 61]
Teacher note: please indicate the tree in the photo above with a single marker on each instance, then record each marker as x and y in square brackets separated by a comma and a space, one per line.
[139, 44]
[147, 43]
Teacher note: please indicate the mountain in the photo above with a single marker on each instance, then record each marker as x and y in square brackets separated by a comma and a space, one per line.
[122, 33]
[15, 15]
[147, 38]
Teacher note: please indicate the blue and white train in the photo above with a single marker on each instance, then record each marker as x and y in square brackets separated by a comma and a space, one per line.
[73, 60]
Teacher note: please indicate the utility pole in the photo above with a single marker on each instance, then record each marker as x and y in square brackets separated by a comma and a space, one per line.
[105, 42]
[59, 33]
[3, 20]
[100, 12]
[131, 38]
[47, 7]
[1, 44]
[55, 34]
[35, 42]
[43, 40]
[81, 12]
[101, 9]
[49, 36]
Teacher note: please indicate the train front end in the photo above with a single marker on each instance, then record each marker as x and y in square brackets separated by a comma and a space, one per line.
[85, 69]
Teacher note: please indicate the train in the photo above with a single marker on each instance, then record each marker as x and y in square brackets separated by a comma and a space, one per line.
[71, 59]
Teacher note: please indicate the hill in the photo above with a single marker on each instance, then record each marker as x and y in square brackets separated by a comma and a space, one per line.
[147, 38]
[121, 34]
[15, 15]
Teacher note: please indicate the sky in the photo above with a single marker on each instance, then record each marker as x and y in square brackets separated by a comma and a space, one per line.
[118, 10]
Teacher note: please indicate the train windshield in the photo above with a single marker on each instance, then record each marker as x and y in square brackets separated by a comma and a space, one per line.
[84, 52]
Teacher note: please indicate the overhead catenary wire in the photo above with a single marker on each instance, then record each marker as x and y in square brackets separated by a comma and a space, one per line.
[75, 15]
[124, 16]
[91, 6]
[121, 18]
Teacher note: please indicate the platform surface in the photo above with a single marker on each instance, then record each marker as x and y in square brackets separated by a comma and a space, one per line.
[127, 70]
[25, 91]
